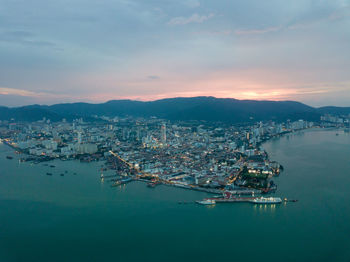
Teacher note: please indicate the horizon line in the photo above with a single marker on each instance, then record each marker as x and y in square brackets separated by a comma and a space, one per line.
[160, 99]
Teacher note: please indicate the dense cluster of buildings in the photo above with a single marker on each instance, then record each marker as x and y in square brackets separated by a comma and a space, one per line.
[329, 120]
[183, 153]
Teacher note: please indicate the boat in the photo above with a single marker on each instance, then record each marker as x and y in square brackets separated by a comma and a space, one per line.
[206, 202]
[126, 180]
[266, 200]
[290, 200]
[9, 157]
[151, 185]
[233, 193]
[49, 174]
[234, 199]
[122, 181]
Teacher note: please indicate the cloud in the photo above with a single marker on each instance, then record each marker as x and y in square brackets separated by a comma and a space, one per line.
[302, 21]
[195, 18]
[339, 14]
[214, 33]
[258, 31]
[206, 37]
[27, 93]
[17, 92]
[153, 77]
[24, 38]
[334, 13]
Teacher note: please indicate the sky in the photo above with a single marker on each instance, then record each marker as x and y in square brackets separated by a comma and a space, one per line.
[54, 51]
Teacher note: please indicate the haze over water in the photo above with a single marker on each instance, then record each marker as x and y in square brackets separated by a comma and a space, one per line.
[78, 218]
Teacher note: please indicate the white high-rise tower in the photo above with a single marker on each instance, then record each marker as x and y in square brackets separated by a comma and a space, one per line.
[79, 137]
[163, 133]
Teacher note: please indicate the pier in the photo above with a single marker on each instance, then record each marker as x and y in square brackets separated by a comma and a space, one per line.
[233, 200]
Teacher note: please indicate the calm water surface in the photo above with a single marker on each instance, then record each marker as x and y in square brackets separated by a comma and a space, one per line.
[78, 218]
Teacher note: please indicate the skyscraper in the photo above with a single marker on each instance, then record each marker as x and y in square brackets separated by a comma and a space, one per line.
[79, 138]
[163, 133]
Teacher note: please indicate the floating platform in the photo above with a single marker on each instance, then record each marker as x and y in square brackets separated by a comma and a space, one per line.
[233, 200]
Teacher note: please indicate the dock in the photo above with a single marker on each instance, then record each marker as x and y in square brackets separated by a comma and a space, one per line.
[122, 181]
[233, 200]
[109, 176]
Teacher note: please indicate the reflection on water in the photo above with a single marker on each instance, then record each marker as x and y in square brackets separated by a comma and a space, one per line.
[264, 208]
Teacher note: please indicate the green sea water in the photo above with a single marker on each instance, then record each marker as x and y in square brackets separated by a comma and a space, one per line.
[79, 218]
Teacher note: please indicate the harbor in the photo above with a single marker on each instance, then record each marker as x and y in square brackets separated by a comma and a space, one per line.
[102, 219]
[127, 172]
[220, 196]
[188, 155]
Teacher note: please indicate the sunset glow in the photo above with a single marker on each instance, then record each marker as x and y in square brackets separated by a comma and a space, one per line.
[147, 50]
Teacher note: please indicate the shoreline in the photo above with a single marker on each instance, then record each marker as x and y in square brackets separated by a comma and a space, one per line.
[189, 186]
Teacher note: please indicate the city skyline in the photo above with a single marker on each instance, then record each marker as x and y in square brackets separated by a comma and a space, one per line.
[85, 51]
[161, 130]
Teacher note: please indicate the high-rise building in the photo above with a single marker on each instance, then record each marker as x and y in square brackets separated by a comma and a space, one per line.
[163, 133]
[79, 138]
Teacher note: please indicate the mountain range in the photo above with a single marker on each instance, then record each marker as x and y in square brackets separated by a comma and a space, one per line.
[193, 108]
